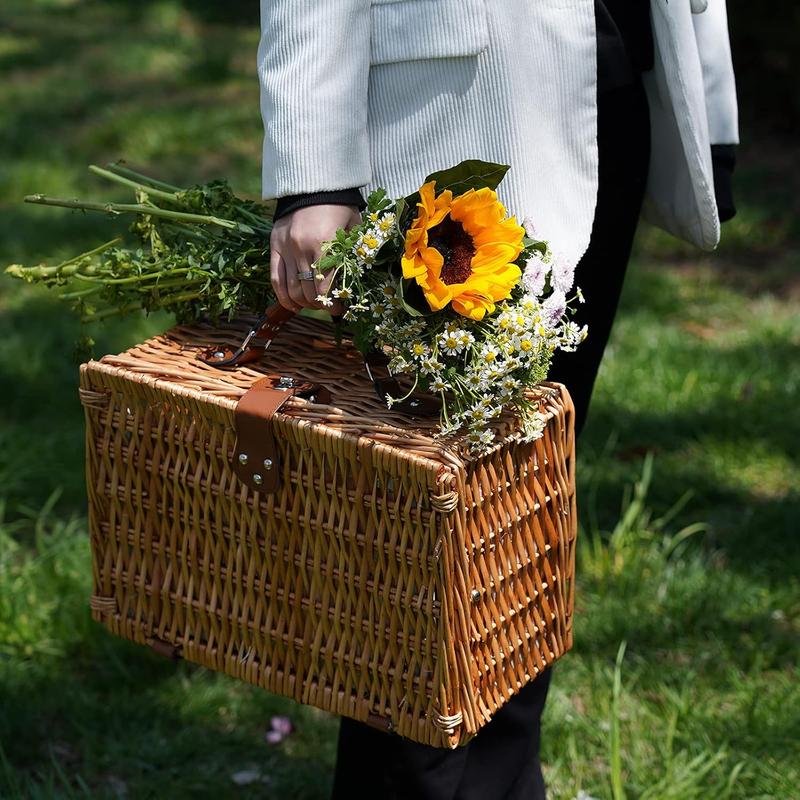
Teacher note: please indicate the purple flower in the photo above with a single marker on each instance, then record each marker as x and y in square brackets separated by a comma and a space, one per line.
[530, 228]
[562, 273]
[534, 275]
[553, 309]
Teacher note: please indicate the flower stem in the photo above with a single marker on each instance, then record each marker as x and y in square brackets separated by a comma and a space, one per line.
[151, 191]
[134, 208]
[139, 178]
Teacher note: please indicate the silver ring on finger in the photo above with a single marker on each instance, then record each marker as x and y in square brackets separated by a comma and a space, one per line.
[307, 275]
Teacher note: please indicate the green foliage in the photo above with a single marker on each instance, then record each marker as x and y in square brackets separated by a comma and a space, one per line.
[203, 253]
[702, 371]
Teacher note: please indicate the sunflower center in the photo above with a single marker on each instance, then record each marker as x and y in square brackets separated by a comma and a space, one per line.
[456, 247]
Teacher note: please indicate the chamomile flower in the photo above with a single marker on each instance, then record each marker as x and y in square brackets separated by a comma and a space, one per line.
[387, 289]
[475, 380]
[386, 224]
[342, 294]
[325, 300]
[494, 373]
[525, 345]
[466, 338]
[366, 248]
[509, 384]
[420, 350]
[452, 341]
[533, 425]
[476, 414]
[379, 309]
[398, 365]
[438, 384]
[489, 354]
[430, 366]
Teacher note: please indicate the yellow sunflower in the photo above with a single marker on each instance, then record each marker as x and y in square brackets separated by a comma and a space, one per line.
[461, 250]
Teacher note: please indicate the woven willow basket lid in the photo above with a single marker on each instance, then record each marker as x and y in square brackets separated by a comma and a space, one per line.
[305, 350]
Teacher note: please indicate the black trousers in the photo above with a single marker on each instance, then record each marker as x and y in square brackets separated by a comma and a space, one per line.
[502, 761]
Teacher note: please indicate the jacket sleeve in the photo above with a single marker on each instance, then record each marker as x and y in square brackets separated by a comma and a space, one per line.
[342, 197]
[713, 44]
[313, 67]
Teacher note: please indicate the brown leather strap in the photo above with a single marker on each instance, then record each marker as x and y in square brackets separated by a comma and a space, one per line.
[260, 336]
[385, 384]
[256, 457]
[257, 340]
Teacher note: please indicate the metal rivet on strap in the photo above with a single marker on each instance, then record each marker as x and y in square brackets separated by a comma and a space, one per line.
[219, 354]
[257, 479]
[475, 595]
[267, 463]
[242, 458]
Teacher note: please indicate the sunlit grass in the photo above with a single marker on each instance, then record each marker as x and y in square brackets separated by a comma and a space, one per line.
[688, 469]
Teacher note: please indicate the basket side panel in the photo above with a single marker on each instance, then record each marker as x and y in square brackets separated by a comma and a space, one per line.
[521, 524]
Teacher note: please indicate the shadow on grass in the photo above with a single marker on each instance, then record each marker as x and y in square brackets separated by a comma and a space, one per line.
[113, 714]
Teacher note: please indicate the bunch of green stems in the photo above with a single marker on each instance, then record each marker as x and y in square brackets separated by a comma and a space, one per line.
[201, 252]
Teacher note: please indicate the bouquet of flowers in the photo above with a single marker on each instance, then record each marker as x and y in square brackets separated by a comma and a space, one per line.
[467, 304]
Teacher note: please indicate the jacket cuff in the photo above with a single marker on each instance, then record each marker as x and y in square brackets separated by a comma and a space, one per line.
[340, 197]
[723, 161]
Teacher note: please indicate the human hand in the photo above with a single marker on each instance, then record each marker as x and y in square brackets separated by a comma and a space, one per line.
[295, 246]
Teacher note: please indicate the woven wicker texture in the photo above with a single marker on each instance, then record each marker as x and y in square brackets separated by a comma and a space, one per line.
[392, 578]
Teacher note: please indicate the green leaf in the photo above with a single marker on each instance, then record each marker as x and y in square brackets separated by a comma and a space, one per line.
[406, 287]
[470, 174]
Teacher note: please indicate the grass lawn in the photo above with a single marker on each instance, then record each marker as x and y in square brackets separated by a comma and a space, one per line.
[689, 468]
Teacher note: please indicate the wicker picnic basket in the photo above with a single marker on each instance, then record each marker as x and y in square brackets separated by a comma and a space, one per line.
[332, 552]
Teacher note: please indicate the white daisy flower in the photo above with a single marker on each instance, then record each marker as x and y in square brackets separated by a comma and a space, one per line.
[476, 414]
[475, 380]
[466, 338]
[386, 223]
[451, 341]
[324, 300]
[525, 345]
[387, 289]
[430, 366]
[399, 365]
[533, 425]
[489, 354]
[420, 350]
[438, 384]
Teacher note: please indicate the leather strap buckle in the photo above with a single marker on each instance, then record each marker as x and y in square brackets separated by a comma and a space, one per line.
[256, 456]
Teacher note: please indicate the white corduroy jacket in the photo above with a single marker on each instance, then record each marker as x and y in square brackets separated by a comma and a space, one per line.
[382, 92]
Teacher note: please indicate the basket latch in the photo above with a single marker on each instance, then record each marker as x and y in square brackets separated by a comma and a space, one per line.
[256, 458]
